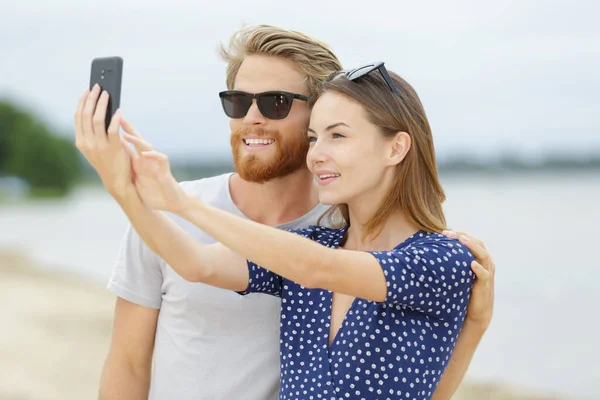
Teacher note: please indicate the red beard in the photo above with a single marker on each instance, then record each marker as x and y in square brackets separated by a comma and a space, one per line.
[290, 155]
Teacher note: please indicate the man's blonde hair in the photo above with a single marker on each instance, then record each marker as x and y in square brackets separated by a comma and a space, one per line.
[312, 56]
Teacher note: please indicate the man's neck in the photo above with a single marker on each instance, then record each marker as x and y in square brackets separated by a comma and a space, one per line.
[275, 202]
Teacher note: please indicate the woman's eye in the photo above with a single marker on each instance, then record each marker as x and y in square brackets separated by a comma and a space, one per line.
[311, 139]
[338, 135]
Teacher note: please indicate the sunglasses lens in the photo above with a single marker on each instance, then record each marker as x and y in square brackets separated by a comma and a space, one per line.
[236, 105]
[275, 105]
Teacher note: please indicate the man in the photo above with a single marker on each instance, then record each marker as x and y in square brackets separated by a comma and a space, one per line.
[208, 343]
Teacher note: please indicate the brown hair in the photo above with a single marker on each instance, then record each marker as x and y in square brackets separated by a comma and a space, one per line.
[312, 56]
[416, 188]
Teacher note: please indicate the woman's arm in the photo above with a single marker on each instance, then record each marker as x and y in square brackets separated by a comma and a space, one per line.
[290, 255]
[212, 264]
[376, 276]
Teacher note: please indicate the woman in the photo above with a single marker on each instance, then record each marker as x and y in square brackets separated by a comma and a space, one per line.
[373, 304]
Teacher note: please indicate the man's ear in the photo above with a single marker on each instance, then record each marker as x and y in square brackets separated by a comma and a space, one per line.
[400, 145]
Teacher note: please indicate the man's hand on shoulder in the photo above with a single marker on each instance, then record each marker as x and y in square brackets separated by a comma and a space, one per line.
[481, 303]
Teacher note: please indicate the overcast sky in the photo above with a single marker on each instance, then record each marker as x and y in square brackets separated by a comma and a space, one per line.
[494, 76]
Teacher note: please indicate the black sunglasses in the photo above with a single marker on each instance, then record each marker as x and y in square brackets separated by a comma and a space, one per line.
[353, 74]
[272, 105]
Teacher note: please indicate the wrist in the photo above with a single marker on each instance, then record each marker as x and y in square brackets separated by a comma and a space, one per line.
[188, 204]
[127, 196]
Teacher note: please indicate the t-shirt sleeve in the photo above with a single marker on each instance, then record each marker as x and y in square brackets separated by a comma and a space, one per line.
[137, 275]
[432, 276]
[264, 281]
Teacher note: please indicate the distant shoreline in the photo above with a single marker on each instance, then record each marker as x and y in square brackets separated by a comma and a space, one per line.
[464, 163]
[186, 169]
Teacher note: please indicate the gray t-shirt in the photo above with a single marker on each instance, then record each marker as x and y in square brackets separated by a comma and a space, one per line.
[210, 343]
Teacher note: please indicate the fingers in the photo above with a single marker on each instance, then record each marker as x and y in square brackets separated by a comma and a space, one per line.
[134, 137]
[480, 272]
[113, 129]
[132, 153]
[159, 162]
[475, 245]
[140, 144]
[99, 119]
[94, 134]
[134, 157]
[457, 234]
[129, 129]
[160, 158]
[481, 302]
[88, 111]
[79, 133]
[471, 241]
[480, 253]
[471, 238]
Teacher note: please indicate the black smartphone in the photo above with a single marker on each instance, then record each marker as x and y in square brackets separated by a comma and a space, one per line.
[108, 73]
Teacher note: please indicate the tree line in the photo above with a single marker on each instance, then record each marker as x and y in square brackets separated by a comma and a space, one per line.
[30, 150]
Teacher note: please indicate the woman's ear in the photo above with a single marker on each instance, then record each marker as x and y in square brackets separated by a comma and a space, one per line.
[400, 145]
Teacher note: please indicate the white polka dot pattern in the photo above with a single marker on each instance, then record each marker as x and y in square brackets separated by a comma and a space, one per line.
[396, 349]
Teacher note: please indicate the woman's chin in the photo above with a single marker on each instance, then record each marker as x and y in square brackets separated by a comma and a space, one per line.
[330, 199]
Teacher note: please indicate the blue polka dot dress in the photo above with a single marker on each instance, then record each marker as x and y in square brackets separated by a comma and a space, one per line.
[396, 349]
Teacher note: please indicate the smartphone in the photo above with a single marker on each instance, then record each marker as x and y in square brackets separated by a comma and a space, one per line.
[108, 73]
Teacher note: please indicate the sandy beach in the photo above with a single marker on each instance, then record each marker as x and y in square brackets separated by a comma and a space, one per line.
[56, 332]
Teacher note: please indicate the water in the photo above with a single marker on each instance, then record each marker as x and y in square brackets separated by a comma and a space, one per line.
[541, 229]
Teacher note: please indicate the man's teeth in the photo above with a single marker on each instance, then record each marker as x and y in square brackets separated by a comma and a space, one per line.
[325, 176]
[259, 141]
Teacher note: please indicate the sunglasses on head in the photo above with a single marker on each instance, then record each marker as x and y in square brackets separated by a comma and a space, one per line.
[353, 74]
[272, 105]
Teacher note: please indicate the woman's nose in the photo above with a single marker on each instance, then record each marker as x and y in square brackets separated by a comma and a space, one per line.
[317, 153]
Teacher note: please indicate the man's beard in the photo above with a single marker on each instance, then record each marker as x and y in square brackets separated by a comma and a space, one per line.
[289, 157]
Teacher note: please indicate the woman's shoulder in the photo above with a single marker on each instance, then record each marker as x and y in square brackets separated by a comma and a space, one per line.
[435, 246]
[423, 237]
[321, 234]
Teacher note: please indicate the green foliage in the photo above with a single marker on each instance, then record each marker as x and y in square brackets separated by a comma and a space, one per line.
[30, 151]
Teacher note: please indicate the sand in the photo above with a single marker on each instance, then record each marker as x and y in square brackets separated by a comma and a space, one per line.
[56, 332]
